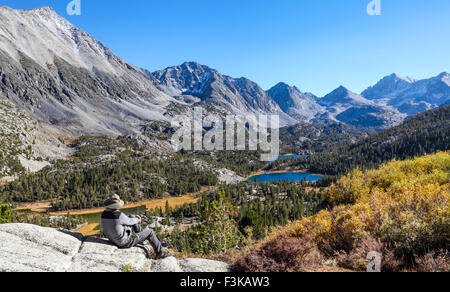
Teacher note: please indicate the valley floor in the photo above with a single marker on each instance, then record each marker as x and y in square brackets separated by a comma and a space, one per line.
[91, 228]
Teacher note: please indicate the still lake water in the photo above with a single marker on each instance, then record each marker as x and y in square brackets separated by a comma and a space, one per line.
[287, 156]
[295, 177]
[289, 176]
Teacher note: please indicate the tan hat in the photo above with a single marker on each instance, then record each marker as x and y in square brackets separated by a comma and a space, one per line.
[114, 202]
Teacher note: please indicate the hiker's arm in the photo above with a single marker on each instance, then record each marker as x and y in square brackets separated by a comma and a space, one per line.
[127, 221]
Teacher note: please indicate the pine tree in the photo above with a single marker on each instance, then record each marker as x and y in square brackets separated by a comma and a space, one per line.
[5, 214]
[218, 231]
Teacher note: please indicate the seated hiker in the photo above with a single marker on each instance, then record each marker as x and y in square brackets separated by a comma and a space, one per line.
[126, 231]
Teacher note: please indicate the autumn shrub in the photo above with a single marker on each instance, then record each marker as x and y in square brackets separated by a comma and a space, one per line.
[5, 214]
[357, 259]
[433, 262]
[404, 205]
[281, 254]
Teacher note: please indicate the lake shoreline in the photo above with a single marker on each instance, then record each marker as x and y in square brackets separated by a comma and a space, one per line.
[267, 172]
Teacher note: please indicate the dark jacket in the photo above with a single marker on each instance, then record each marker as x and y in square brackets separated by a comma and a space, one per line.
[118, 227]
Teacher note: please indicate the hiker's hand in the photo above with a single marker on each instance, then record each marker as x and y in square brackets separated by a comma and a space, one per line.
[139, 218]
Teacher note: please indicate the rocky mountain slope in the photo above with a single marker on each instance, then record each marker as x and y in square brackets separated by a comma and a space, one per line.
[30, 248]
[351, 108]
[411, 96]
[192, 81]
[301, 106]
[61, 75]
[26, 144]
[381, 106]
[318, 138]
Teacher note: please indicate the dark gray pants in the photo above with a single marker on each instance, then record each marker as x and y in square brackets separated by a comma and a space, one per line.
[141, 236]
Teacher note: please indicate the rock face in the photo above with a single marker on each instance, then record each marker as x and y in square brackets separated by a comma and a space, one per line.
[61, 75]
[238, 95]
[302, 106]
[411, 96]
[23, 140]
[30, 248]
[353, 109]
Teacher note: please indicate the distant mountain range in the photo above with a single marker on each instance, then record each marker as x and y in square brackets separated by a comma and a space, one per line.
[195, 83]
[411, 96]
[60, 75]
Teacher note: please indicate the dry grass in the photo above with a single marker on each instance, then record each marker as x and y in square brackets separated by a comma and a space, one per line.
[89, 229]
[45, 206]
[36, 207]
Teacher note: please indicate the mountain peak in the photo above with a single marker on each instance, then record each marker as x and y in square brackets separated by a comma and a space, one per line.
[188, 67]
[396, 77]
[445, 77]
[281, 85]
[342, 95]
[341, 90]
[46, 9]
[292, 101]
[43, 8]
[42, 11]
[388, 85]
[45, 12]
[192, 64]
[68, 67]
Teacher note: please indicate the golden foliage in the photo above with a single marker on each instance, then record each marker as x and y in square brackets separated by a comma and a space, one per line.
[403, 203]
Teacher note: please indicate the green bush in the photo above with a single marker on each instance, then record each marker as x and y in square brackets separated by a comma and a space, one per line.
[5, 214]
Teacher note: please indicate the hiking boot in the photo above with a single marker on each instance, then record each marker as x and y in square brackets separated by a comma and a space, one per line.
[166, 245]
[163, 255]
[147, 251]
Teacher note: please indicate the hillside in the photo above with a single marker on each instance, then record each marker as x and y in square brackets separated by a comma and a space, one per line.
[102, 165]
[424, 133]
[26, 144]
[61, 75]
[399, 211]
[305, 137]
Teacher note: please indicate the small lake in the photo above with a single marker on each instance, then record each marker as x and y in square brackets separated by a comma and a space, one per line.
[287, 157]
[295, 177]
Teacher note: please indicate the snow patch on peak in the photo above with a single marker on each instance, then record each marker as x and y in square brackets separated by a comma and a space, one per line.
[42, 9]
[396, 78]
[445, 77]
[42, 35]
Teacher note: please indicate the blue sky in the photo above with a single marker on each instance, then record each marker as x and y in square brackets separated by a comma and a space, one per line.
[316, 45]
